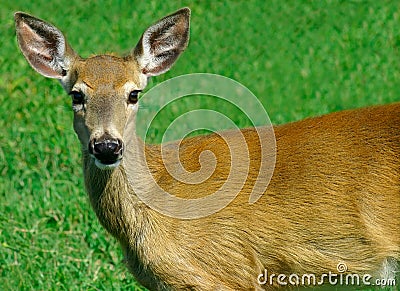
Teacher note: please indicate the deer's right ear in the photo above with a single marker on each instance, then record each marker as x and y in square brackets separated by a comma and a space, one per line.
[43, 45]
[162, 43]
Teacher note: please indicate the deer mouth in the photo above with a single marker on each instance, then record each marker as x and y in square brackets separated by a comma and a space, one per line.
[106, 165]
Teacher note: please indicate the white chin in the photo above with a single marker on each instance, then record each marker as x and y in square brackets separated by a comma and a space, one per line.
[102, 166]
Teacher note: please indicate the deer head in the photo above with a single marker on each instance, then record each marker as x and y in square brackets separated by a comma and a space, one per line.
[104, 88]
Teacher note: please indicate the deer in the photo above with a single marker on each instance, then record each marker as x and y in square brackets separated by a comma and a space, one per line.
[334, 195]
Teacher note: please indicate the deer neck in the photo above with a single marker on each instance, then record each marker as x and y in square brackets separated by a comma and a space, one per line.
[116, 205]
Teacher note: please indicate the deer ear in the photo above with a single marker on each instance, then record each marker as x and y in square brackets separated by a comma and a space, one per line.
[162, 43]
[43, 45]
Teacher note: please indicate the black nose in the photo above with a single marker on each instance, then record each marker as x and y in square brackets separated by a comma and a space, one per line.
[106, 149]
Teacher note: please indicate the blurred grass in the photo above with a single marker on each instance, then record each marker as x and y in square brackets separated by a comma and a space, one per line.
[300, 58]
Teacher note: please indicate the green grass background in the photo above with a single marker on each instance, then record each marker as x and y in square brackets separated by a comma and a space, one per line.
[300, 58]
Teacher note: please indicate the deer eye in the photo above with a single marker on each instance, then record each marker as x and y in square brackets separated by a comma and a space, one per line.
[133, 96]
[77, 97]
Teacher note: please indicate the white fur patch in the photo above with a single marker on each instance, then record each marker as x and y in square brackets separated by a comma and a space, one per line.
[389, 269]
[102, 166]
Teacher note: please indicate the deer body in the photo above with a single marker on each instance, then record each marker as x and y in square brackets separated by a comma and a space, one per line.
[334, 195]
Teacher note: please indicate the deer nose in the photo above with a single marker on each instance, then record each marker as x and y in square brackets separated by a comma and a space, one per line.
[106, 149]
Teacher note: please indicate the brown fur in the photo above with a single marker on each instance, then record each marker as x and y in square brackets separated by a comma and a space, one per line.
[334, 195]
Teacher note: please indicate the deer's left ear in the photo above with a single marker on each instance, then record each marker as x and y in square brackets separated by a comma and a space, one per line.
[162, 43]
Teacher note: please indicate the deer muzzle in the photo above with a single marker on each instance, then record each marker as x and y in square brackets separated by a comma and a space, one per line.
[107, 151]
